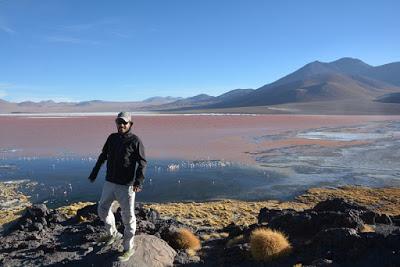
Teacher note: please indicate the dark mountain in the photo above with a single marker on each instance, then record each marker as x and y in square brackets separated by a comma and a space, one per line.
[190, 102]
[347, 66]
[343, 79]
[161, 99]
[390, 98]
[309, 70]
[88, 103]
[389, 73]
[349, 81]
[201, 97]
[233, 94]
[204, 100]
[27, 104]
[350, 65]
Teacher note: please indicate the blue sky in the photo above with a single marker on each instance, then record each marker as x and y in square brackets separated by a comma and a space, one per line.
[74, 50]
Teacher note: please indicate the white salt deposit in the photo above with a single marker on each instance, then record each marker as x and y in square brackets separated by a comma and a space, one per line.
[340, 136]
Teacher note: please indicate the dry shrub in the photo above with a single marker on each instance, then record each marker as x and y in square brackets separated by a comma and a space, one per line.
[365, 228]
[82, 219]
[267, 244]
[214, 235]
[205, 237]
[191, 252]
[71, 210]
[185, 239]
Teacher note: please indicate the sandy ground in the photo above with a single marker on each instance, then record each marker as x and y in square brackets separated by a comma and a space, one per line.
[229, 137]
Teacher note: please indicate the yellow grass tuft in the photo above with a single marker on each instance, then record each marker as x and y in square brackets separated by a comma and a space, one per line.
[366, 228]
[71, 210]
[12, 201]
[82, 219]
[214, 235]
[267, 244]
[191, 252]
[185, 239]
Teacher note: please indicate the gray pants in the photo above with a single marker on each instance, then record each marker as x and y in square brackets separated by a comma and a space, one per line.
[126, 199]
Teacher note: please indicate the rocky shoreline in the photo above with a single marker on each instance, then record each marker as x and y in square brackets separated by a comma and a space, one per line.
[324, 232]
[12, 201]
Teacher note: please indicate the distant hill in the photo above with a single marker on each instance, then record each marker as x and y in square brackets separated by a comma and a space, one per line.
[161, 100]
[348, 84]
[204, 100]
[341, 80]
[390, 98]
[389, 73]
[350, 65]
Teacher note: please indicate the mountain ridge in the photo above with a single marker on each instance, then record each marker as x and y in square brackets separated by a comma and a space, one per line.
[344, 79]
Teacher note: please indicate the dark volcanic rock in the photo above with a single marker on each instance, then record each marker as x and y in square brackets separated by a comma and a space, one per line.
[43, 237]
[339, 242]
[309, 223]
[265, 215]
[332, 213]
[34, 218]
[237, 254]
[338, 204]
[350, 248]
[233, 229]
[328, 234]
[89, 212]
[146, 214]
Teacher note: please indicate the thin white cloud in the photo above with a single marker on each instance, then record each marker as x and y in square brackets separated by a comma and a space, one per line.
[120, 34]
[70, 40]
[108, 26]
[7, 29]
[19, 93]
[55, 98]
[91, 25]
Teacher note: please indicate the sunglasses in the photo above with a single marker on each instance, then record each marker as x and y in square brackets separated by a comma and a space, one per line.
[121, 121]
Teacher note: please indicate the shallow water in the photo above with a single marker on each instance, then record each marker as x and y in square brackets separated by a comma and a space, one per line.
[64, 180]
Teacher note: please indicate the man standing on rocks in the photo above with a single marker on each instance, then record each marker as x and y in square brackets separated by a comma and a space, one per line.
[126, 164]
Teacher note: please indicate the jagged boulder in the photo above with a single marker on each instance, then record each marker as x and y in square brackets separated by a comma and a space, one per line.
[265, 215]
[309, 223]
[331, 234]
[233, 229]
[35, 218]
[146, 214]
[338, 242]
[332, 213]
[236, 254]
[150, 252]
[338, 205]
[349, 248]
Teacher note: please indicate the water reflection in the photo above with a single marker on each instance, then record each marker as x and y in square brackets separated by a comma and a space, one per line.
[64, 179]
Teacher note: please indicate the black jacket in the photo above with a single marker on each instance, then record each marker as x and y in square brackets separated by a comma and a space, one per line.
[124, 154]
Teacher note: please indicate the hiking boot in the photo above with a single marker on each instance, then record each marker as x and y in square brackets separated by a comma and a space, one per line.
[109, 239]
[126, 255]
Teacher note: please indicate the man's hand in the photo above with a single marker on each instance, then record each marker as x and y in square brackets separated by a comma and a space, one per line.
[92, 178]
[136, 188]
